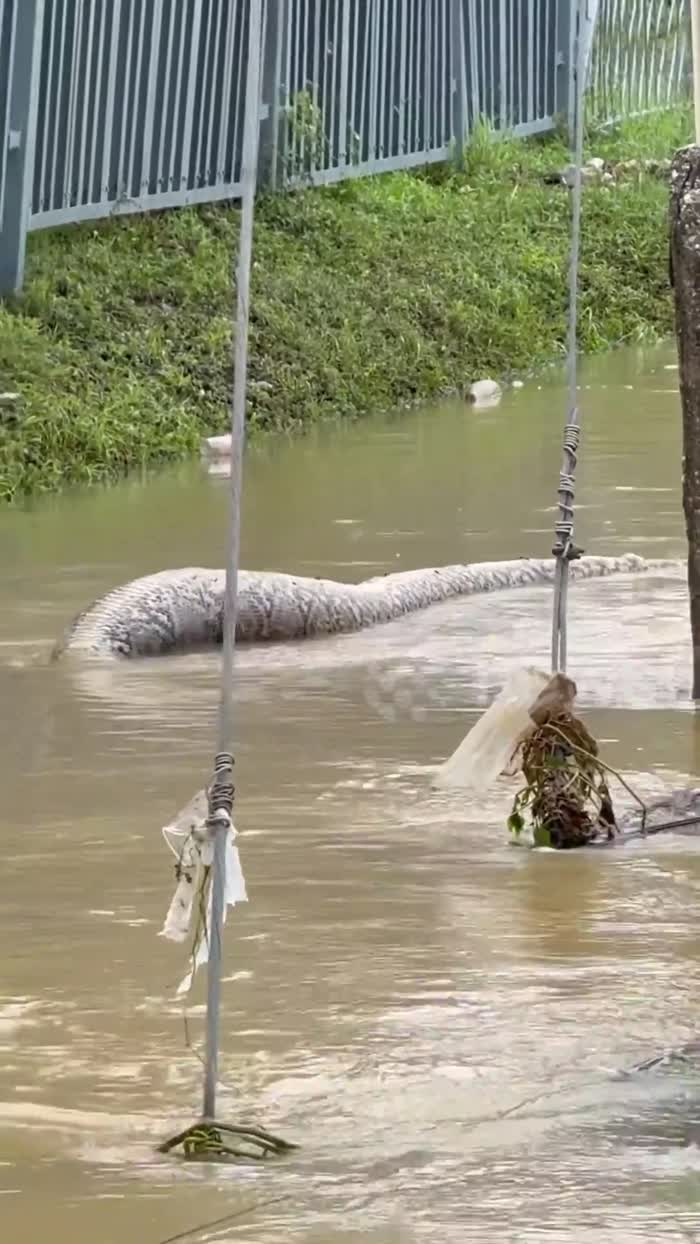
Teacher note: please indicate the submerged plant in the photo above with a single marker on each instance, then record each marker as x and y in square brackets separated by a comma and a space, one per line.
[566, 795]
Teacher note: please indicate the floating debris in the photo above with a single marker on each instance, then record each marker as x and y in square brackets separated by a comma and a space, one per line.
[485, 393]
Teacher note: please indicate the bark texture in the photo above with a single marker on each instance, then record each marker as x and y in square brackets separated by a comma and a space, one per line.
[685, 276]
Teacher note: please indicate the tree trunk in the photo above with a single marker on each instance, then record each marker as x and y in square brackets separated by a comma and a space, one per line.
[685, 276]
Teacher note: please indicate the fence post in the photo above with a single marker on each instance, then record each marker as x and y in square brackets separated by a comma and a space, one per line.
[459, 79]
[564, 74]
[582, 17]
[274, 35]
[20, 137]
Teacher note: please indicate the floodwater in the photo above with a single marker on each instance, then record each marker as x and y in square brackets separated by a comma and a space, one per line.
[438, 1018]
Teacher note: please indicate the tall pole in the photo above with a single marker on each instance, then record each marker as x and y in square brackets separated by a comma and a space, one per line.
[221, 798]
[564, 549]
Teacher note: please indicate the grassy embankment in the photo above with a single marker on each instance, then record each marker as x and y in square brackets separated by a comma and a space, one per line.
[375, 294]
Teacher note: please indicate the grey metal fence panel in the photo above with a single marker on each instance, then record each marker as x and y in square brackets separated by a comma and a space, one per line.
[513, 63]
[367, 86]
[139, 103]
[140, 106]
[640, 59]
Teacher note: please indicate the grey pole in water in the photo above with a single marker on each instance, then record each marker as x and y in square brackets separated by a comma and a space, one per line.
[564, 550]
[219, 819]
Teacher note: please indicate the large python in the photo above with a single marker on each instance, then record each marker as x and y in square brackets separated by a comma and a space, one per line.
[177, 610]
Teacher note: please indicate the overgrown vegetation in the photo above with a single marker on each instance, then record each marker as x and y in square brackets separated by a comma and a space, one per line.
[377, 293]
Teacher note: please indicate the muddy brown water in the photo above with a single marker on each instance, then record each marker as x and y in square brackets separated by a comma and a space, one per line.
[436, 1016]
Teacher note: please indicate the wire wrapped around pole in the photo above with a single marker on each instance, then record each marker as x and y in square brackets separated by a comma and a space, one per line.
[564, 549]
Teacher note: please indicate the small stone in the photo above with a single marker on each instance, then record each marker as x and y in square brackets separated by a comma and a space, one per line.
[608, 179]
[518, 384]
[8, 399]
[596, 163]
[485, 393]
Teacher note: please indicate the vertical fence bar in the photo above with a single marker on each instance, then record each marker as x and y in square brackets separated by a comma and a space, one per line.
[226, 80]
[215, 111]
[157, 42]
[276, 20]
[293, 40]
[110, 109]
[383, 78]
[199, 138]
[123, 104]
[459, 78]
[343, 136]
[89, 93]
[315, 87]
[332, 86]
[74, 80]
[190, 79]
[355, 137]
[409, 85]
[472, 37]
[93, 190]
[427, 72]
[134, 179]
[19, 169]
[374, 81]
[44, 202]
[58, 149]
[503, 75]
[161, 181]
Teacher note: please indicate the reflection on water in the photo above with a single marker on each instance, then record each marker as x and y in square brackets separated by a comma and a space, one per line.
[438, 1018]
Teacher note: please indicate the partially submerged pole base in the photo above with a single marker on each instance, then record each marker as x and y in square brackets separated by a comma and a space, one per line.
[214, 1141]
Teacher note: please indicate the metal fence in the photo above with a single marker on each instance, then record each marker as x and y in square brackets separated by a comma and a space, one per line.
[377, 86]
[641, 57]
[140, 104]
[112, 106]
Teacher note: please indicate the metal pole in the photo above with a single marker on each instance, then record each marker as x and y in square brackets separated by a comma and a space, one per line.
[211, 1067]
[26, 24]
[219, 823]
[695, 34]
[564, 527]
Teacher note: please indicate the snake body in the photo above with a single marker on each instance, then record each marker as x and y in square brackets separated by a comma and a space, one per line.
[179, 610]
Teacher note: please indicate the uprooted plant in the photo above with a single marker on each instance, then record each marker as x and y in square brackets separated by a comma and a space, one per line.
[566, 797]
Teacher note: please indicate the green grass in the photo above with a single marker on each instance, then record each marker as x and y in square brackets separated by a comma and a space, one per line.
[365, 297]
